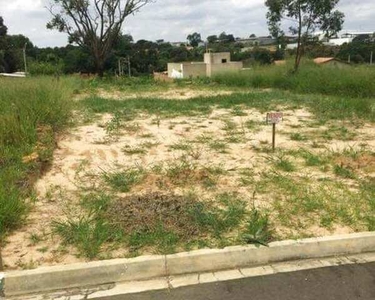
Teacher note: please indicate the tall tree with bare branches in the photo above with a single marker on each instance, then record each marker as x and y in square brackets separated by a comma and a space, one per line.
[94, 24]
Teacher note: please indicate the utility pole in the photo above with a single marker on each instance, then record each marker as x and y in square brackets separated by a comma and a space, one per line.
[24, 57]
[119, 67]
[371, 56]
[129, 69]
[121, 61]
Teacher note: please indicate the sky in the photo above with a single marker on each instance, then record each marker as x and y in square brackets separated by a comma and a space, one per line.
[173, 20]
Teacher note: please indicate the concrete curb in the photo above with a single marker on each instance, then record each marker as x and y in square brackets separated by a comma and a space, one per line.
[201, 261]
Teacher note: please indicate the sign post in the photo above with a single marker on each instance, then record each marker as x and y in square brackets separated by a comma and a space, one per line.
[274, 118]
[1, 261]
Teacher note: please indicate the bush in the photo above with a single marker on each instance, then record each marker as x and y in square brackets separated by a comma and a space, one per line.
[45, 68]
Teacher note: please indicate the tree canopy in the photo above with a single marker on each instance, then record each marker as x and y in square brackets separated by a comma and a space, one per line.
[194, 39]
[306, 16]
[228, 38]
[11, 46]
[3, 28]
[93, 24]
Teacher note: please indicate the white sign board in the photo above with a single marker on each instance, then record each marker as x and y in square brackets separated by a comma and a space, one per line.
[275, 118]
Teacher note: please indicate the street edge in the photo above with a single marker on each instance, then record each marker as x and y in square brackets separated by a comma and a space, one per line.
[49, 279]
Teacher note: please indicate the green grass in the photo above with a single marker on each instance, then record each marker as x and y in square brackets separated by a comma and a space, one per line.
[297, 137]
[165, 241]
[88, 234]
[254, 126]
[219, 221]
[123, 181]
[157, 225]
[334, 132]
[282, 163]
[134, 150]
[219, 146]
[183, 145]
[125, 84]
[258, 229]
[238, 111]
[300, 202]
[355, 82]
[32, 111]
[165, 223]
[185, 172]
[312, 160]
[344, 172]
[324, 107]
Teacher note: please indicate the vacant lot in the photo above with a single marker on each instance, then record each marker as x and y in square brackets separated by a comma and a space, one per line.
[188, 166]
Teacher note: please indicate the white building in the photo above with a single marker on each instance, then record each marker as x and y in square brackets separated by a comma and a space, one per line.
[346, 37]
[214, 63]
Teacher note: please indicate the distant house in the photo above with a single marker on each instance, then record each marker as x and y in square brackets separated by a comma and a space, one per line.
[178, 44]
[280, 62]
[331, 61]
[271, 48]
[214, 63]
[14, 75]
[346, 37]
[258, 41]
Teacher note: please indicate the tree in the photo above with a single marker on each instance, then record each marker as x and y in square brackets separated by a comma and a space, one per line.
[212, 39]
[93, 24]
[194, 39]
[253, 35]
[307, 15]
[3, 33]
[14, 52]
[226, 38]
[11, 50]
[359, 51]
[3, 28]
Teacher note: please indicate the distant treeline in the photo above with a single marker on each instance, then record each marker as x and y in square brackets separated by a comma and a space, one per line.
[146, 57]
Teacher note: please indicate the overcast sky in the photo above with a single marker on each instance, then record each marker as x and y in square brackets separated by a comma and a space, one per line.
[173, 20]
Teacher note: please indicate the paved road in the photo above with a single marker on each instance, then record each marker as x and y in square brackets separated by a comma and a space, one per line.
[350, 282]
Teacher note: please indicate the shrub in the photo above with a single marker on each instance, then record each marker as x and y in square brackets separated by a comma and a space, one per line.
[45, 68]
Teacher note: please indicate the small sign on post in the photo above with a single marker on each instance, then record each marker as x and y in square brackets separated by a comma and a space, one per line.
[274, 118]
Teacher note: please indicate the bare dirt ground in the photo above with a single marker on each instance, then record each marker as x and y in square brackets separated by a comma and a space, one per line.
[170, 93]
[236, 142]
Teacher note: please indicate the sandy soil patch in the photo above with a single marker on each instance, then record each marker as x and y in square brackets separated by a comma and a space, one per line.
[239, 145]
[170, 93]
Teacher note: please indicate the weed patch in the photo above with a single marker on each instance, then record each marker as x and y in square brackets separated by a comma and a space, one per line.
[257, 229]
[32, 111]
[88, 234]
[123, 181]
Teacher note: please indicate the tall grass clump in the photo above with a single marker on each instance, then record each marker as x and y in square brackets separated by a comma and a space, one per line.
[32, 110]
[349, 81]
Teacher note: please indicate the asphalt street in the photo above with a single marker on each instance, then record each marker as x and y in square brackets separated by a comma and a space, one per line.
[349, 282]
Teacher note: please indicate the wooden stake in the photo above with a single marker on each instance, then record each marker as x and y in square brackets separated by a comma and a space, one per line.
[1, 260]
[273, 137]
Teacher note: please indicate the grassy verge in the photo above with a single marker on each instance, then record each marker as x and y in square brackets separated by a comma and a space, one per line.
[324, 107]
[356, 82]
[32, 111]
